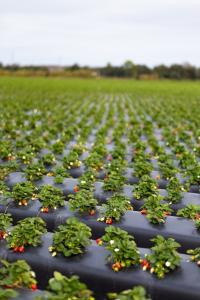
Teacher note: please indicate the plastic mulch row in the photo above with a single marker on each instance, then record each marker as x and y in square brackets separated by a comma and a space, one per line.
[93, 269]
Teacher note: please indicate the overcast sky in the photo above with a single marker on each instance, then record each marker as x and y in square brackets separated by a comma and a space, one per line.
[95, 32]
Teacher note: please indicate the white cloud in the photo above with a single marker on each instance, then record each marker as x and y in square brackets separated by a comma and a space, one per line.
[95, 32]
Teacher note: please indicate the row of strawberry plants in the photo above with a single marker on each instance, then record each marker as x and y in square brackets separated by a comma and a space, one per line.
[51, 197]
[17, 278]
[119, 211]
[73, 239]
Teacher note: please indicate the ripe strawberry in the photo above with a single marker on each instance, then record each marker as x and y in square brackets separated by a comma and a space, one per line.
[99, 242]
[145, 264]
[44, 209]
[33, 287]
[109, 221]
[2, 235]
[166, 213]
[6, 286]
[76, 189]
[15, 249]
[21, 249]
[92, 212]
[143, 211]
[116, 266]
[197, 216]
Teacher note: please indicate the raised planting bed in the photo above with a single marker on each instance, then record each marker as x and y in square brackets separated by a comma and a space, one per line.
[69, 183]
[181, 229]
[92, 268]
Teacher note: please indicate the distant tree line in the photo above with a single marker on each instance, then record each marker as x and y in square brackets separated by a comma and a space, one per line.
[127, 70]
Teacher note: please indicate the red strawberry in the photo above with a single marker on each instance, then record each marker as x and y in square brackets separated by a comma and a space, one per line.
[116, 266]
[143, 211]
[109, 221]
[44, 209]
[92, 212]
[197, 216]
[76, 189]
[33, 287]
[145, 264]
[99, 242]
[21, 249]
[2, 234]
[166, 213]
[15, 249]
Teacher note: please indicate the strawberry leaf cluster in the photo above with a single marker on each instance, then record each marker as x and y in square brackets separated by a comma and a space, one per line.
[71, 238]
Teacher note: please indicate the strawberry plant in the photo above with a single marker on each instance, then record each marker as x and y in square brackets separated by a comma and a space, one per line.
[48, 159]
[192, 212]
[17, 275]
[145, 188]
[174, 190]
[136, 293]
[27, 232]
[187, 160]
[5, 223]
[71, 238]
[99, 147]
[164, 257]
[60, 173]
[35, 171]
[72, 160]
[62, 288]
[58, 147]
[6, 151]
[119, 151]
[94, 161]
[7, 294]
[86, 181]
[116, 166]
[114, 182]
[79, 148]
[83, 201]
[141, 168]
[139, 146]
[193, 172]
[7, 168]
[167, 169]
[50, 197]
[26, 155]
[23, 192]
[178, 149]
[36, 143]
[155, 211]
[195, 255]
[114, 208]
[122, 246]
[4, 191]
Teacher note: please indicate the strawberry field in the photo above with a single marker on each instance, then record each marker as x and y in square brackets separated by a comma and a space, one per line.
[99, 189]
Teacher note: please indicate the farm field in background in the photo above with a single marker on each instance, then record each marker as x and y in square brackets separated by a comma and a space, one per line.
[99, 189]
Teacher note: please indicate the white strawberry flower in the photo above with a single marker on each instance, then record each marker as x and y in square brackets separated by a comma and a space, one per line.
[33, 274]
[167, 264]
